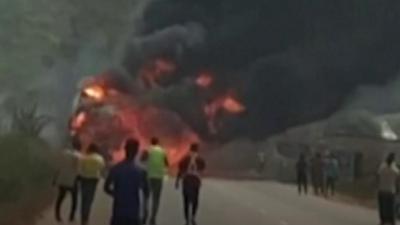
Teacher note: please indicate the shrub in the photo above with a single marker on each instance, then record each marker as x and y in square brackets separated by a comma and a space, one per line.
[26, 169]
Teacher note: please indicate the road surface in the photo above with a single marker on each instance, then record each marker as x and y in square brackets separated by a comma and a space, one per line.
[246, 202]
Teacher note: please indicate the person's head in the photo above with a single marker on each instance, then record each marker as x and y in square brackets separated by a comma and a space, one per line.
[93, 148]
[390, 159]
[155, 141]
[131, 149]
[302, 156]
[194, 148]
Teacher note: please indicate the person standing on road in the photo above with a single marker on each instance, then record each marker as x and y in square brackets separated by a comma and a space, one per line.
[332, 174]
[124, 184]
[91, 167]
[261, 161]
[388, 177]
[157, 164]
[67, 180]
[317, 173]
[302, 174]
[190, 171]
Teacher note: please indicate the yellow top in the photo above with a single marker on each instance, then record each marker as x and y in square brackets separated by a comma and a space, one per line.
[91, 166]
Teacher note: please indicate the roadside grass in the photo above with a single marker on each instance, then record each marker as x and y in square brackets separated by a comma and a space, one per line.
[26, 170]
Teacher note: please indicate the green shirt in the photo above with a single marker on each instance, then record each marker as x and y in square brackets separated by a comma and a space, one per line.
[157, 162]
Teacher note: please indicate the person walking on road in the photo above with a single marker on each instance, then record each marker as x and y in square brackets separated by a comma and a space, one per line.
[157, 164]
[302, 174]
[332, 174]
[388, 177]
[190, 171]
[124, 184]
[145, 196]
[91, 167]
[66, 180]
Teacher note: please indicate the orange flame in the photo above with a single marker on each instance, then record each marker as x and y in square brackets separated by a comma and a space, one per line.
[79, 120]
[227, 103]
[96, 92]
[232, 105]
[205, 80]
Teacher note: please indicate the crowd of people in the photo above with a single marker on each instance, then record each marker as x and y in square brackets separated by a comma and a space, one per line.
[322, 171]
[133, 183]
[138, 181]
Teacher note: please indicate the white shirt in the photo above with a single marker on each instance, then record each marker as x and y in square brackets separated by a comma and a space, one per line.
[388, 177]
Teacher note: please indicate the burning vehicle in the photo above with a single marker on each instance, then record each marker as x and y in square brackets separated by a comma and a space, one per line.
[106, 114]
[109, 108]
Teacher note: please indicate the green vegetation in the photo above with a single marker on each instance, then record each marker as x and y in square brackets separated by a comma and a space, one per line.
[26, 172]
[36, 34]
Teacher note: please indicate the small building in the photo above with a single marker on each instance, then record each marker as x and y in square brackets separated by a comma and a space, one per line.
[359, 140]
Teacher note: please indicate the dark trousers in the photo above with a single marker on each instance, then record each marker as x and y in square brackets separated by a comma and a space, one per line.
[190, 202]
[318, 185]
[155, 186]
[62, 193]
[330, 185]
[125, 221]
[88, 191]
[386, 201]
[302, 183]
[144, 210]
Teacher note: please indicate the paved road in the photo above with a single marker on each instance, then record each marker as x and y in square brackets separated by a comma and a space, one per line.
[241, 203]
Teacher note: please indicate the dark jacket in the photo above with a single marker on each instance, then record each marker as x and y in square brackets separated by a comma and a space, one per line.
[124, 183]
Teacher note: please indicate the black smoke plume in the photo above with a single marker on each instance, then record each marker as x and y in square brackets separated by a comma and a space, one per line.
[291, 61]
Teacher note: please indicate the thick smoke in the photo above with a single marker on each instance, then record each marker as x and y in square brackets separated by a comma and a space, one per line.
[290, 61]
[169, 42]
[383, 99]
